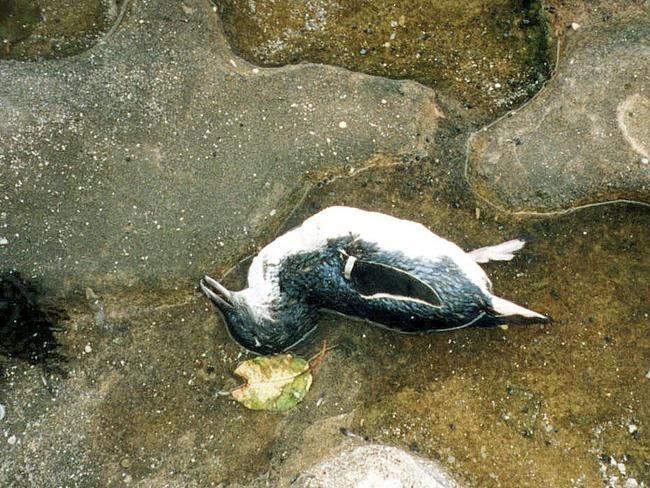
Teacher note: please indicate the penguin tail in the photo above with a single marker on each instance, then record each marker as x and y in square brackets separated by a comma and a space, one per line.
[509, 312]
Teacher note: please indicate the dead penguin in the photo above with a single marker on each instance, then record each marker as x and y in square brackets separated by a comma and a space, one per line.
[392, 272]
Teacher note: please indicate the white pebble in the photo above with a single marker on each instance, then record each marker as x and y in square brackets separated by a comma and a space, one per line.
[343, 124]
[575, 26]
[3, 241]
[632, 428]
[255, 71]
[621, 467]
[88, 349]
[12, 440]
[2, 411]
[630, 483]
[497, 85]
[647, 375]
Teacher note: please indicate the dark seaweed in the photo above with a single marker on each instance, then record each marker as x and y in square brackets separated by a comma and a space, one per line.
[26, 326]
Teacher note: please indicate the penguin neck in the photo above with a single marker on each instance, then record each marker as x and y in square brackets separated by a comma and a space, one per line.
[258, 301]
[273, 326]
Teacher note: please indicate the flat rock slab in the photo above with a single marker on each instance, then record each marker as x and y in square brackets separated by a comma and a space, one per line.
[143, 157]
[584, 139]
[375, 465]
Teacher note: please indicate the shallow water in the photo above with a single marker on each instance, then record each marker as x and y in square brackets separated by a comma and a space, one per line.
[533, 405]
[529, 406]
[31, 29]
[490, 54]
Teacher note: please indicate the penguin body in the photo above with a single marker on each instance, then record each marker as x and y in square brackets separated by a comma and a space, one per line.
[367, 265]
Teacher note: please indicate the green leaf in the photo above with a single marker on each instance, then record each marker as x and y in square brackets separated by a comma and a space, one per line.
[274, 383]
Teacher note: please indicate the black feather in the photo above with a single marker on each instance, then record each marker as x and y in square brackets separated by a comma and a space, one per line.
[372, 278]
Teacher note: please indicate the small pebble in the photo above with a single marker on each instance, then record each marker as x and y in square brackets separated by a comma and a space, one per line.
[575, 26]
[645, 160]
[2, 411]
[630, 483]
[255, 71]
[88, 349]
[632, 428]
[647, 375]
[343, 124]
[363, 52]
[12, 440]
[3, 241]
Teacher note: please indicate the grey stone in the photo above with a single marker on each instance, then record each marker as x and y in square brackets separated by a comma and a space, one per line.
[584, 139]
[141, 158]
[371, 465]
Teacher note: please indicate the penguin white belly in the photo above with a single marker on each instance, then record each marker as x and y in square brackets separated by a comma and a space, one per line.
[389, 234]
[384, 231]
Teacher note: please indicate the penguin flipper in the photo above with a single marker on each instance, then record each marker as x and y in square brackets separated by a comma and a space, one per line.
[377, 280]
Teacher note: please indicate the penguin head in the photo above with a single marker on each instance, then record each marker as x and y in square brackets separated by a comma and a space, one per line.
[252, 326]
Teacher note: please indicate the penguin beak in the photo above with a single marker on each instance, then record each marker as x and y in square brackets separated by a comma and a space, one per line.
[217, 293]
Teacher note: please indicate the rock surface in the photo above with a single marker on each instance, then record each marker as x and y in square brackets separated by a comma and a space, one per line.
[143, 157]
[369, 466]
[584, 139]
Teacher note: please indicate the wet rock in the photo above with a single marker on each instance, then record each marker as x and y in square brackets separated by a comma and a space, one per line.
[143, 157]
[375, 465]
[31, 29]
[520, 410]
[584, 139]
